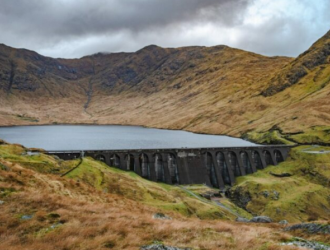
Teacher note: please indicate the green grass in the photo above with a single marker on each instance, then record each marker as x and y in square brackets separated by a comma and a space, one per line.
[301, 197]
[269, 137]
[314, 135]
[130, 185]
[40, 162]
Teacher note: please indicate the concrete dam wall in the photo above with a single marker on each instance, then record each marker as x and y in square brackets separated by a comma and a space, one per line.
[215, 167]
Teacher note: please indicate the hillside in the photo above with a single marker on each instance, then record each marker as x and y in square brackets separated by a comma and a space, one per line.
[98, 207]
[219, 90]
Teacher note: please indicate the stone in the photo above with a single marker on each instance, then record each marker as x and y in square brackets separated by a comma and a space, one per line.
[1, 202]
[161, 216]
[27, 217]
[283, 222]
[261, 219]
[241, 219]
[276, 195]
[162, 247]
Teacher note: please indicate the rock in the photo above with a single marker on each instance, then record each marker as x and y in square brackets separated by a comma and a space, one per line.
[312, 228]
[55, 225]
[240, 197]
[276, 195]
[211, 194]
[265, 194]
[283, 222]
[241, 219]
[161, 216]
[27, 217]
[261, 219]
[162, 247]
[299, 242]
[1, 202]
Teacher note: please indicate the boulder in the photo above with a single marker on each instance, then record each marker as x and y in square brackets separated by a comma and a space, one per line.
[261, 219]
[162, 247]
[1, 202]
[283, 222]
[241, 219]
[27, 217]
[161, 216]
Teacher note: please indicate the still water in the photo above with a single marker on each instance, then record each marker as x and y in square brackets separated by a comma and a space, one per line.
[84, 137]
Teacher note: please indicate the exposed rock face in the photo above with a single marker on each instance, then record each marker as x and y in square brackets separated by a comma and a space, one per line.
[162, 247]
[312, 228]
[307, 244]
[161, 216]
[240, 197]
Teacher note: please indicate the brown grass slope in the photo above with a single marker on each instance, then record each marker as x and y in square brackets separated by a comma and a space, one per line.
[217, 90]
[77, 213]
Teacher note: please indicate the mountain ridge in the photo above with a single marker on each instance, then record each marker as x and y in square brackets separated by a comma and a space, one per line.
[218, 90]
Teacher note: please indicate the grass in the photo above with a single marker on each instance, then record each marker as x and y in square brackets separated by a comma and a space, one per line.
[269, 137]
[132, 186]
[75, 212]
[100, 207]
[301, 197]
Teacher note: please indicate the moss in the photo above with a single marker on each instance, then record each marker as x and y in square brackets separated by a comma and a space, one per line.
[314, 135]
[40, 162]
[269, 137]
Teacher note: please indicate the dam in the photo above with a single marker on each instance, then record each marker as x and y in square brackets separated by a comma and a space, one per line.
[215, 167]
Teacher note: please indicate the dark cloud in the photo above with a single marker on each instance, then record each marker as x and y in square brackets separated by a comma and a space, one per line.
[73, 28]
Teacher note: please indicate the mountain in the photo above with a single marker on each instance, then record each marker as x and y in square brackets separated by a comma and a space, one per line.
[219, 90]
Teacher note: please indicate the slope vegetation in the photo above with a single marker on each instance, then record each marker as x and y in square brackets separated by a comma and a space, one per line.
[297, 189]
[98, 207]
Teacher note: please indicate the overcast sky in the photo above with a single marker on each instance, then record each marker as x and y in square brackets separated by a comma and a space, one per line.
[74, 28]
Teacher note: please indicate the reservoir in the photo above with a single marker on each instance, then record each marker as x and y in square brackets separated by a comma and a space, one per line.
[99, 137]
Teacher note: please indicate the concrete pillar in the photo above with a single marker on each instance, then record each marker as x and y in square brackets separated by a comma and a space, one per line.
[252, 162]
[230, 168]
[152, 170]
[137, 165]
[240, 162]
[107, 158]
[221, 183]
[262, 157]
[167, 174]
[273, 157]
[121, 160]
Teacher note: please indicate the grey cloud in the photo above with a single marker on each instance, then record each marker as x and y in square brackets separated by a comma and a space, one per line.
[74, 28]
[84, 17]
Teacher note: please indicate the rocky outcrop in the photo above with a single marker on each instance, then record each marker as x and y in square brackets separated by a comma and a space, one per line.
[261, 219]
[312, 228]
[299, 242]
[161, 216]
[317, 55]
[162, 247]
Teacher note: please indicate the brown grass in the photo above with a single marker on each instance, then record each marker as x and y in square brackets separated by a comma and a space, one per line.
[91, 219]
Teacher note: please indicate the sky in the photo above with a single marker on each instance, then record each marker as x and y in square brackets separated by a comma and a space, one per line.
[75, 28]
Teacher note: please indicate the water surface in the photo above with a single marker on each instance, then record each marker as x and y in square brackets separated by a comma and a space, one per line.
[90, 137]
